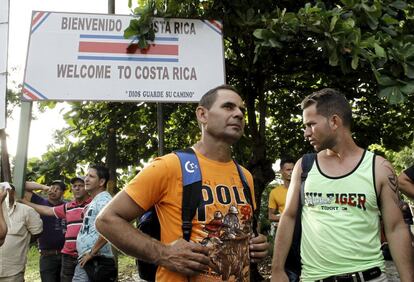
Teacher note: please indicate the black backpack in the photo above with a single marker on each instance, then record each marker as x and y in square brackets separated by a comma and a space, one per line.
[293, 262]
[191, 175]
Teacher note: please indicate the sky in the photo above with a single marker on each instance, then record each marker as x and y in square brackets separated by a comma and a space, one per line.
[42, 128]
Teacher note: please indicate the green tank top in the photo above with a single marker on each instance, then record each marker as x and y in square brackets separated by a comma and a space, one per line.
[340, 222]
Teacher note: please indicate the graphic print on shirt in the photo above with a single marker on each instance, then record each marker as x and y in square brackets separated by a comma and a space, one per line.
[228, 228]
[336, 201]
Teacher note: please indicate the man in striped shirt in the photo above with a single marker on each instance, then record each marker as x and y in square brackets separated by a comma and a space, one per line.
[71, 212]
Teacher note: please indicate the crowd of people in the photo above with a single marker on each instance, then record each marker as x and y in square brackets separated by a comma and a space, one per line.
[339, 202]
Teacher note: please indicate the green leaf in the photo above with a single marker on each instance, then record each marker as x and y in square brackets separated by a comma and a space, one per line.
[392, 94]
[263, 34]
[389, 20]
[129, 32]
[409, 70]
[355, 61]
[274, 43]
[372, 21]
[401, 5]
[142, 43]
[389, 30]
[385, 80]
[333, 23]
[369, 8]
[408, 88]
[379, 51]
[333, 58]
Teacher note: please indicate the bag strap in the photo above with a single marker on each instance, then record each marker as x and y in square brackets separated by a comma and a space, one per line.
[307, 163]
[191, 175]
[246, 188]
[248, 193]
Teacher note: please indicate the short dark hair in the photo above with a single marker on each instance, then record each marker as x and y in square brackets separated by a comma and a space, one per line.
[60, 184]
[286, 160]
[209, 98]
[102, 172]
[328, 102]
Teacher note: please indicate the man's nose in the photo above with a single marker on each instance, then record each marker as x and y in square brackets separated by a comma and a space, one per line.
[238, 113]
[307, 132]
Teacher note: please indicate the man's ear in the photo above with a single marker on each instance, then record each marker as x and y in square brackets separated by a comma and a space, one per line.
[202, 114]
[101, 182]
[335, 121]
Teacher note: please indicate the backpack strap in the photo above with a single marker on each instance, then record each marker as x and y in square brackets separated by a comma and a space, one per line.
[246, 188]
[248, 193]
[191, 175]
[307, 163]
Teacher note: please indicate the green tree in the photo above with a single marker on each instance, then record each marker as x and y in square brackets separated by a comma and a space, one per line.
[276, 52]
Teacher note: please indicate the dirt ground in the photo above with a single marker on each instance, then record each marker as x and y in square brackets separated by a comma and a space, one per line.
[264, 269]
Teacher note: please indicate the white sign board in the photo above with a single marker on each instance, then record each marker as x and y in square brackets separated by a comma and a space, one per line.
[86, 57]
[4, 30]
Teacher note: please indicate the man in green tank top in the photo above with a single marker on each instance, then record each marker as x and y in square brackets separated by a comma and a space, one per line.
[346, 190]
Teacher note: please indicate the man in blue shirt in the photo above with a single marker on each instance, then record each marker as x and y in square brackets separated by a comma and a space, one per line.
[53, 237]
[95, 254]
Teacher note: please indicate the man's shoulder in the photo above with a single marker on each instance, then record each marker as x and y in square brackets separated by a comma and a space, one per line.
[24, 208]
[101, 199]
[410, 172]
[74, 204]
[279, 187]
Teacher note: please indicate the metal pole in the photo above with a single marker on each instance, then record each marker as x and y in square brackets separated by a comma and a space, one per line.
[111, 6]
[22, 145]
[160, 128]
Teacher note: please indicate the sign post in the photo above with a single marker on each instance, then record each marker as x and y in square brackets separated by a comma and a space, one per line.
[4, 38]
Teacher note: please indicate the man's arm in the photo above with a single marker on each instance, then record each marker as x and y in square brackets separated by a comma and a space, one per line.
[30, 186]
[42, 210]
[273, 217]
[406, 183]
[286, 226]
[181, 256]
[396, 230]
[3, 225]
[93, 252]
[272, 208]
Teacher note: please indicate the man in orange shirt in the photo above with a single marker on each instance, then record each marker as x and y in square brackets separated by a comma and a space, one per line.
[220, 115]
[277, 197]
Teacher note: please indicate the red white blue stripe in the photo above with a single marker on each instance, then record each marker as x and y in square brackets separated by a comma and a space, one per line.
[214, 25]
[31, 94]
[38, 18]
[117, 48]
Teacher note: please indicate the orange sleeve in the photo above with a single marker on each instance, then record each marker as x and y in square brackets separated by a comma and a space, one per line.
[149, 186]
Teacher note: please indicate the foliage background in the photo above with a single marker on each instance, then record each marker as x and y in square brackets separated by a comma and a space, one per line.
[276, 53]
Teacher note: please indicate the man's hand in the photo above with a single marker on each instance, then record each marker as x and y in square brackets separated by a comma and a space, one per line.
[279, 276]
[259, 248]
[85, 258]
[187, 258]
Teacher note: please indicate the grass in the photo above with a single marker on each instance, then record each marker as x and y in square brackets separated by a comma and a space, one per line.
[126, 266]
[32, 267]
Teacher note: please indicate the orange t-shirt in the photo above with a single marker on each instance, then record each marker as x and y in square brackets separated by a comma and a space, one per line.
[223, 219]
